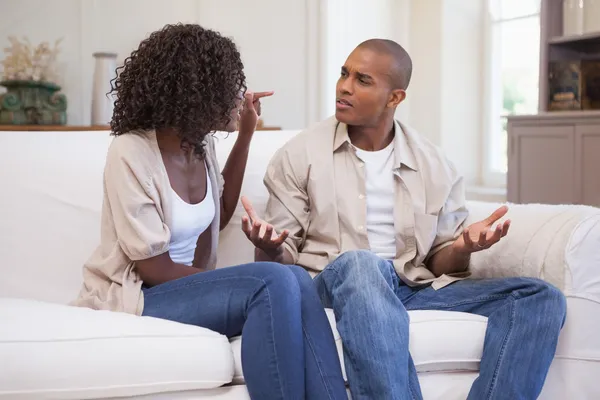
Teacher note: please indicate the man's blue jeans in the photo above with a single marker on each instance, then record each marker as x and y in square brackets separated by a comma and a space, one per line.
[370, 302]
[288, 350]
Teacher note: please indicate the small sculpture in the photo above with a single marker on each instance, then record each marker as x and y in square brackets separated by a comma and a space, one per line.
[29, 75]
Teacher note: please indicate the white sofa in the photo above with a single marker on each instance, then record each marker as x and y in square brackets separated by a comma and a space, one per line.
[51, 186]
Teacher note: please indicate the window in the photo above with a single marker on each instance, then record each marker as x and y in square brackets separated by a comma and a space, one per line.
[513, 47]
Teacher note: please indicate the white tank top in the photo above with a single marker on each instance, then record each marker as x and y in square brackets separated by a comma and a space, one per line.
[188, 223]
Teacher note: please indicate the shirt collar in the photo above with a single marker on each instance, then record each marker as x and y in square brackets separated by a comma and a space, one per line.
[404, 154]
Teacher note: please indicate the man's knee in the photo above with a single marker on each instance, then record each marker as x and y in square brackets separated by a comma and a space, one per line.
[549, 297]
[360, 265]
[360, 275]
[555, 298]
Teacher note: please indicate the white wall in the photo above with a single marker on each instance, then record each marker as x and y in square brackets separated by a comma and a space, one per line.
[426, 43]
[462, 108]
[279, 62]
[293, 47]
[347, 23]
[274, 50]
[446, 46]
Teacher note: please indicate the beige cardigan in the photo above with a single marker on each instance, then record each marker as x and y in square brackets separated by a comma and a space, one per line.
[136, 220]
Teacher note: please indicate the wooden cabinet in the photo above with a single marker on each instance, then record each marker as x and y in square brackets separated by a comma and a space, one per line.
[554, 158]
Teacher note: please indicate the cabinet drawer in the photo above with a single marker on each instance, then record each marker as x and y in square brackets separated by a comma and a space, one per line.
[587, 164]
[541, 164]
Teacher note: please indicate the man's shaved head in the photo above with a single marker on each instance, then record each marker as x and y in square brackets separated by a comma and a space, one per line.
[402, 63]
[372, 83]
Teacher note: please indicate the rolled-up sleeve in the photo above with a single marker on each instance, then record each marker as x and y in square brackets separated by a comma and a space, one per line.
[452, 216]
[288, 205]
[132, 198]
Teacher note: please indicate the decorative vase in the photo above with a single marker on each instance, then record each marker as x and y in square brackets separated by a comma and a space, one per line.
[28, 102]
[573, 17]
[102, 101]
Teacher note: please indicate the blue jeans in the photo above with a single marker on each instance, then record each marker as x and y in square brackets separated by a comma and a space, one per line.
[288, 349]
[370, 302]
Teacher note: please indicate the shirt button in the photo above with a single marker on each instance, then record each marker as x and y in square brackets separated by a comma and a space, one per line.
[361, 196]
[360, 227]
[361, 165]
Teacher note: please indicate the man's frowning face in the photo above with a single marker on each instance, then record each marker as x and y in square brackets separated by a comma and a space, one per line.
[365, 90]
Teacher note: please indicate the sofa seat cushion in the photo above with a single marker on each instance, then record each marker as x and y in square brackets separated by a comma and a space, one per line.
[440, 341]
[55, 351]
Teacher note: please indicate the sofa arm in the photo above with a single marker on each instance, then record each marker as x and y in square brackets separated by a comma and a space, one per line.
[557, 243]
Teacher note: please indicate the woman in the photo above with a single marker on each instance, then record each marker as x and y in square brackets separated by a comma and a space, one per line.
[165, 201]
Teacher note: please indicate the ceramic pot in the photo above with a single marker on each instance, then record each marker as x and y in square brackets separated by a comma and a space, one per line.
[102, 101]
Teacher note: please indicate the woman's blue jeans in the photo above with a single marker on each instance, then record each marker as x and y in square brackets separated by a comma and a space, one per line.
[288, 349]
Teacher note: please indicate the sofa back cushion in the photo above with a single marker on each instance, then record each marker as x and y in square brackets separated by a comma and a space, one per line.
[52, 197]
[50, 208]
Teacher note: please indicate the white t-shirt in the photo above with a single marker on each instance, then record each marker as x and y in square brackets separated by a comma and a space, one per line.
[379, 182]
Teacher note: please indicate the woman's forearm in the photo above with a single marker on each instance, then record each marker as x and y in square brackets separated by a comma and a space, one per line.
[233, 175]
[160, 269]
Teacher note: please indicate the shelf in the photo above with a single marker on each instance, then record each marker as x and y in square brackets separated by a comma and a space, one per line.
[586, 38]
[557, 114]
[54, 128]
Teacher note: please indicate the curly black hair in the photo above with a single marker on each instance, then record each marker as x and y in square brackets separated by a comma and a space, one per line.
[184, 77]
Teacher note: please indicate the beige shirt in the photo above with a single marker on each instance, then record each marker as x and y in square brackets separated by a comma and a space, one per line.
[136, 222]
[317, 191]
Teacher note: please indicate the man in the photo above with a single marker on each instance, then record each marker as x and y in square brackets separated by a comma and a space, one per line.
[378, 212]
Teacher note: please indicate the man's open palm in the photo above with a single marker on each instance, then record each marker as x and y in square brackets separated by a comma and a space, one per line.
[482, 235]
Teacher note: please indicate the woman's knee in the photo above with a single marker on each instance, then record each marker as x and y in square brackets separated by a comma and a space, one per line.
[302, 276]
[275, 276]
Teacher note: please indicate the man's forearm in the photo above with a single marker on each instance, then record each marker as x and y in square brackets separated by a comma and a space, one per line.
[282, 257]
[233, 174]
[448, 261]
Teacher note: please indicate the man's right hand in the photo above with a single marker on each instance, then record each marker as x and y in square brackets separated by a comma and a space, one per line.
[260, 233]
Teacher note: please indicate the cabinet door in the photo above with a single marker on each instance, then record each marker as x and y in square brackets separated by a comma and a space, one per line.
[541, 164]
[587, 164]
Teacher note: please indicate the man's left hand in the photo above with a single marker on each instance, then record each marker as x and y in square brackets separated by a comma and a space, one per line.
[251, 111]
[480, 235]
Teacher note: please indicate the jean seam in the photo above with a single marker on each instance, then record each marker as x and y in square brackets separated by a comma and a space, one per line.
[272, 334]
[321, 374]
[410, 387]
[151, 293]
[332, 267]
[337, 277]
[492, 388]
[460, 303]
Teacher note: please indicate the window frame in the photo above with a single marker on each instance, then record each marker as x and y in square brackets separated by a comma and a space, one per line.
[492, 89]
